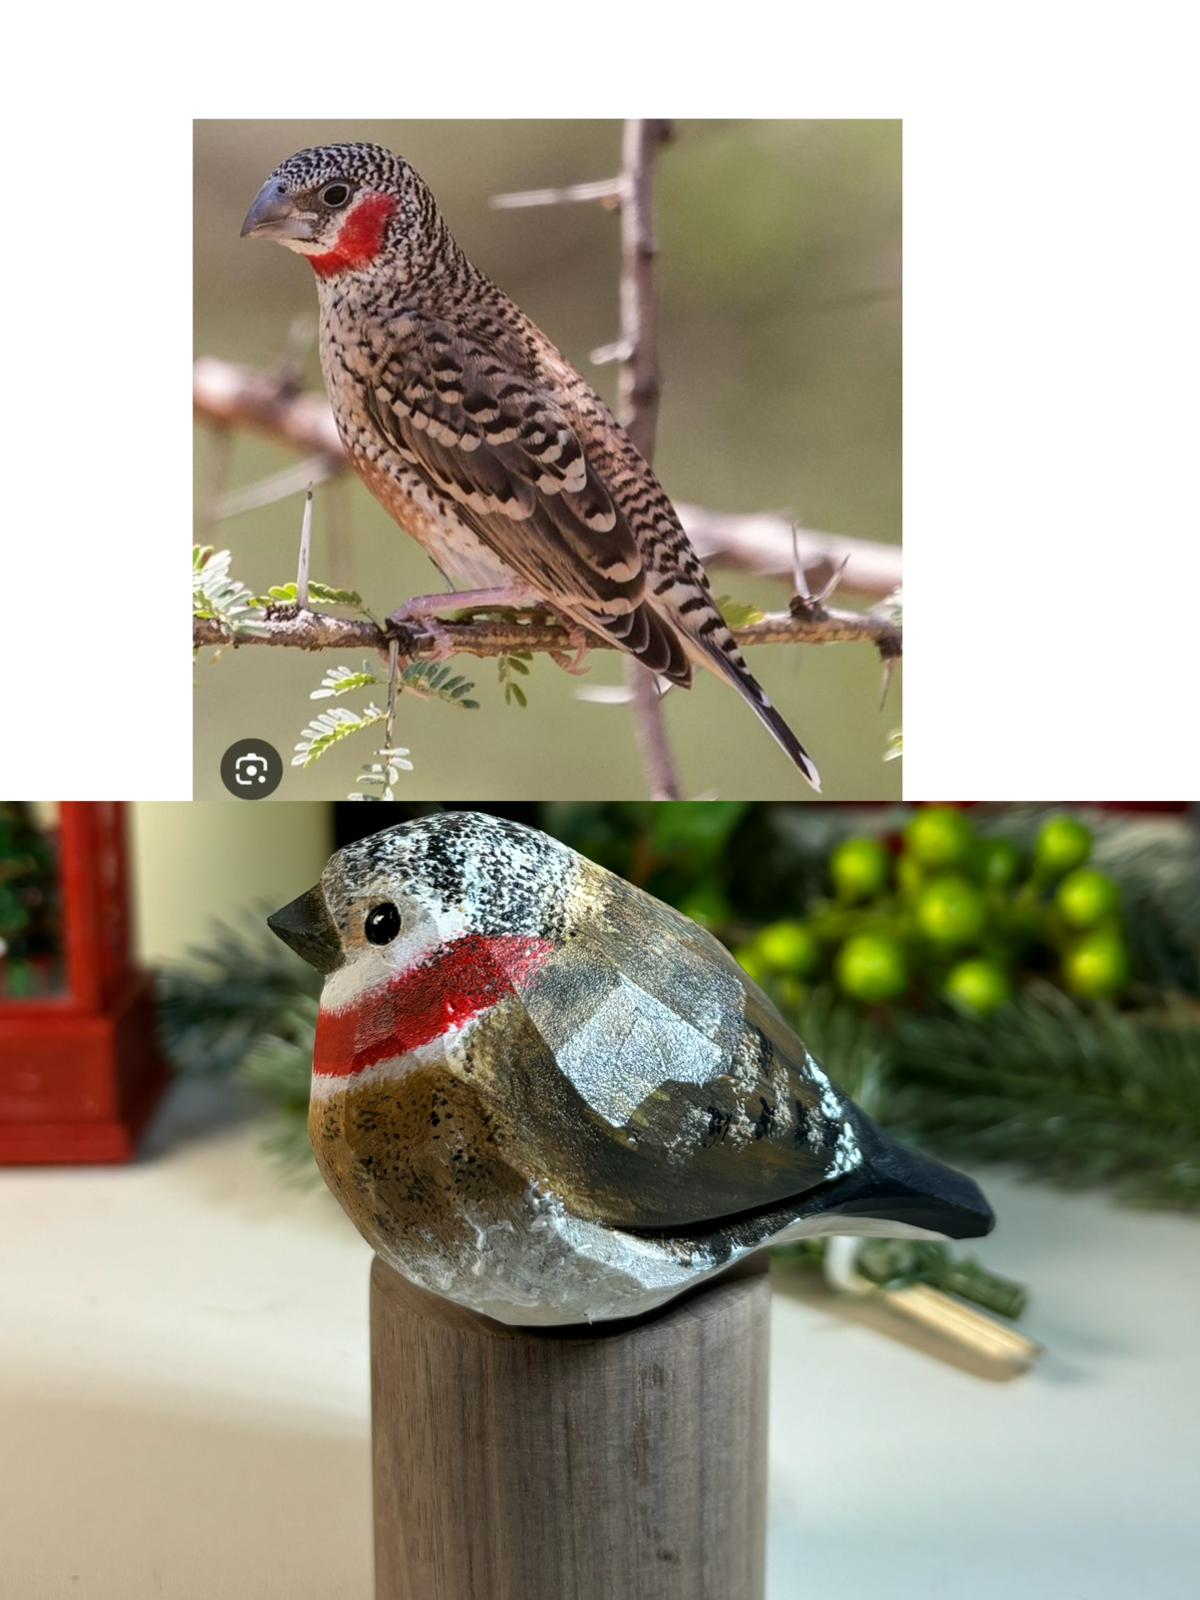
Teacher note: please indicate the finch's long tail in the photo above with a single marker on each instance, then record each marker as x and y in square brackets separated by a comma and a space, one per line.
[718, 651]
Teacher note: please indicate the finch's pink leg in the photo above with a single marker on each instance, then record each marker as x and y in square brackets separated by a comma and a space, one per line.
[421, 611]
[426, 605]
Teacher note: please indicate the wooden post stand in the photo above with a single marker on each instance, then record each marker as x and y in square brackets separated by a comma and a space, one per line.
[619, 1462]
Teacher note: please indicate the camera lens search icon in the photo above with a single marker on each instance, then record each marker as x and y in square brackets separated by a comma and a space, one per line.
[251, 769]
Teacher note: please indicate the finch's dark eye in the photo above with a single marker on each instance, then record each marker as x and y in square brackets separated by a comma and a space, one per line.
[335, 195]
[382, 924]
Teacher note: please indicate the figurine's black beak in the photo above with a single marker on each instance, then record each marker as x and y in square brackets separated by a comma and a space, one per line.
[274, 216]
[306, 925]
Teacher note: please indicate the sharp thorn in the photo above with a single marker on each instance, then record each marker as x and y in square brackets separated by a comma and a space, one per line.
[889, 668]
[834, 579]
[799, 580]
[305, 551]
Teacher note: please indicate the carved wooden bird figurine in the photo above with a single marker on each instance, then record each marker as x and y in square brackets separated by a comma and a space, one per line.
[480, 438]
[544, 1094]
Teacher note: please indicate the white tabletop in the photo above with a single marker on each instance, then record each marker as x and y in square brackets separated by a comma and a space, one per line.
[184, 1400]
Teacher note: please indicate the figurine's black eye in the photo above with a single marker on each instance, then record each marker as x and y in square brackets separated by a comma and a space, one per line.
[335, 195]
[382, 924]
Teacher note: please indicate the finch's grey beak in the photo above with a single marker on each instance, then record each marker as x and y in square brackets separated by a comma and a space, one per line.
[274, 216]
[306, 925]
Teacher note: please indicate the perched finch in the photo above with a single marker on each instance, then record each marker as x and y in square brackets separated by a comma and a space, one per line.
[546, 1095]
[480, 438]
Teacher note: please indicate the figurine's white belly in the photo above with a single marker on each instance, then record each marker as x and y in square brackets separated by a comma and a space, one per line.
[548, 1267]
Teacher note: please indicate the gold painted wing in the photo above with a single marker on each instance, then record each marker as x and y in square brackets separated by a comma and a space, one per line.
[661, 1081]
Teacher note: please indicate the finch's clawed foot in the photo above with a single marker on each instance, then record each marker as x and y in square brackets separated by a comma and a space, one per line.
[417, 618]
[412, 633]
[575, 664]
[413, 624]
[416, 621]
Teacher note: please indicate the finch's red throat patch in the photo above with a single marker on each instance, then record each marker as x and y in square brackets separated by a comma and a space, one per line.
[359, 238]
[464, 978]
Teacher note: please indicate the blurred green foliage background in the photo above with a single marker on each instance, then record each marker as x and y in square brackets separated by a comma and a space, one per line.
[779, 281]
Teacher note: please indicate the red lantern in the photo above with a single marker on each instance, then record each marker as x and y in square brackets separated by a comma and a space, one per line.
[80, 1065]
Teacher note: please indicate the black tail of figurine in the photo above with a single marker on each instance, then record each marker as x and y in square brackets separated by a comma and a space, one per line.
[898, 1184]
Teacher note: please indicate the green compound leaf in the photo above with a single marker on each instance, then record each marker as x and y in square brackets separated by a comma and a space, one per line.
[433, 680]
[330, 728]
[219, 597]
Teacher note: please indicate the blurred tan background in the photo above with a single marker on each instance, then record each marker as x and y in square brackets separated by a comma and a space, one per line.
[779, 282]
[196, 865]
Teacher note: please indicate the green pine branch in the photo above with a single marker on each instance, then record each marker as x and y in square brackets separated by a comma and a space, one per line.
[233, 991]
[278, 1069]
[1076, 1096]
[219, 598]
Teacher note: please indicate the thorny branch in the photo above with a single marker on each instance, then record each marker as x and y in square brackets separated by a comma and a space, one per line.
[640, 387]
[639, 394]
[491, 635]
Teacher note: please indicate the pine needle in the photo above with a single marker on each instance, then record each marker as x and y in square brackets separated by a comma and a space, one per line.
[1075, 1096]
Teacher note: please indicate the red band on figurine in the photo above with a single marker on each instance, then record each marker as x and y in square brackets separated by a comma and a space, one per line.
[464, 978]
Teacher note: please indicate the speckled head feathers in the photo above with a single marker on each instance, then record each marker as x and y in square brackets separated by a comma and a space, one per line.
[481, 873]
[358, 165]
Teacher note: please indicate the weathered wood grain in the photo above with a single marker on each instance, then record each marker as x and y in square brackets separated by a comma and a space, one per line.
[619, 1463]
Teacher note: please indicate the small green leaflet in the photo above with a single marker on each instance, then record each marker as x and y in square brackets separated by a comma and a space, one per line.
[340, 680]
[282, 594]
[382, 775]
[737, 613]
[506, 667]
